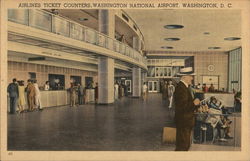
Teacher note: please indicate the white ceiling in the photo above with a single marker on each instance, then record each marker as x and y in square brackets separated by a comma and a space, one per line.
[219, 23]
[75, 14]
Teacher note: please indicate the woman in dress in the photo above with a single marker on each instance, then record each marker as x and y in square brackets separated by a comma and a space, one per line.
[116, 90]
[21, 100]
[171, 90]
[72, 92]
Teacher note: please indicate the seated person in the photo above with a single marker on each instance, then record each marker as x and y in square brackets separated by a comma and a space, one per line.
[214, 103]
[224, 126]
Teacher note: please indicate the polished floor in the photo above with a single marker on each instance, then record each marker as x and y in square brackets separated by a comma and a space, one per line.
[130, 124]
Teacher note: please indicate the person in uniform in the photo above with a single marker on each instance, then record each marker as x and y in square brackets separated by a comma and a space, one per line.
[185, 105]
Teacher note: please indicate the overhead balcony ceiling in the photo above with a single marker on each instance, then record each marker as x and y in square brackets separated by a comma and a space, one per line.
[203, 30]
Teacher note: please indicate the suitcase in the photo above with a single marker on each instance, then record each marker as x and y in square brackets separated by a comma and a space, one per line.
[169, 135]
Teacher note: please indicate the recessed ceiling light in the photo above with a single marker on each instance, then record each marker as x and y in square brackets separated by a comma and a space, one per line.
[206, 33]
[173, 26]
[167, 47]
[172, 39]
[214, 47]
[232, 38]
[83, 19]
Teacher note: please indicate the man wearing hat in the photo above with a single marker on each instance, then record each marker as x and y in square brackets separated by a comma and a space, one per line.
[185, 106]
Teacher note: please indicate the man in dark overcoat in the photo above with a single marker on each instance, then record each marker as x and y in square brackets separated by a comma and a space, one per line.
[13, 94]
[185, 106]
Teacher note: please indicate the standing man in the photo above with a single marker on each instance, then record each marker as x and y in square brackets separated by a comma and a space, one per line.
[164, 90]
[37, 96]
[13, 94]
[185, 105]
[31, 91]
[96, 93]
[80, 93]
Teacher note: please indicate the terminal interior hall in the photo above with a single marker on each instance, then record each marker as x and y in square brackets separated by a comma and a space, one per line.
[101, 76]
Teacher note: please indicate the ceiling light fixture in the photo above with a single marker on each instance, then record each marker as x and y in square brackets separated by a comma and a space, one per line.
[83, 19]
[167, 47]
[232, 38]
[172, 39]
[173, 26]
[214, 47]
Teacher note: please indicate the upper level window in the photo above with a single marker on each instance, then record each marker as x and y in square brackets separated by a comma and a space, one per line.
[125, 17]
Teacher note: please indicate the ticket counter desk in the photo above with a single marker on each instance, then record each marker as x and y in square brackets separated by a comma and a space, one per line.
[53, 98]
[62, 97]
[90, 96]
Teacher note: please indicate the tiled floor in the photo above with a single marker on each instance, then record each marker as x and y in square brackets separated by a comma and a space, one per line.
[129, 125]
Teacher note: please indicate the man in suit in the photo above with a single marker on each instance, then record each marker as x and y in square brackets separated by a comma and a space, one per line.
[13, 94]
[185, 106]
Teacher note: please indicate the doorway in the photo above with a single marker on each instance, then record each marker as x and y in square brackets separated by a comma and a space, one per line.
[152, 86]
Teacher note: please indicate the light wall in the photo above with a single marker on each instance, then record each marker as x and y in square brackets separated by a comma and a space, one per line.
[235, 70]
[217, 61]
[20, 71]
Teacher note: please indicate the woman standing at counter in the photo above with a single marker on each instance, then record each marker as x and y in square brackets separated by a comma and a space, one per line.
[21, 99]
[46, 86]
[72, 91]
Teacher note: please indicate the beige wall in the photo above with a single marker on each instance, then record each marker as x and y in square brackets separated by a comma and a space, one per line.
[201, 62]
[220, 63]
[20, 71]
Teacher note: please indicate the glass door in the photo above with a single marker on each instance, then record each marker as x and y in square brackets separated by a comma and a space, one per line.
[152, 86]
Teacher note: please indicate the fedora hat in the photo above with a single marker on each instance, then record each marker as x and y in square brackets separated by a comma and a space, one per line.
[186, 71]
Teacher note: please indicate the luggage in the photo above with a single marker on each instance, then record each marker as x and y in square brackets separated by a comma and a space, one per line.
[169, 135]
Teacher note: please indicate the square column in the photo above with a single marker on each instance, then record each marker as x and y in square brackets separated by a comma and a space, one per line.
[106, 22]
[136, 43]
[105, 80]
[136, 74]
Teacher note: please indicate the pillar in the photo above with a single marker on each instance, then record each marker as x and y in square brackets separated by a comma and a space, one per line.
[136, 43]
[106, 25]
[106, 22]
[105, 80]
[136, 76]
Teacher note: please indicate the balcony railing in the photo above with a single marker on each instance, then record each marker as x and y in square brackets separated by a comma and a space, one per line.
[53, 23]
